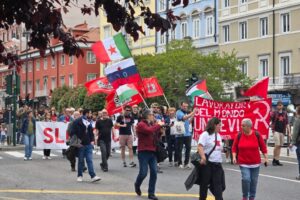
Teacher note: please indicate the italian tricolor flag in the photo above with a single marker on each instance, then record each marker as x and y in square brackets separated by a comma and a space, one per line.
[111, 49]
[198, 89]
[125, 92]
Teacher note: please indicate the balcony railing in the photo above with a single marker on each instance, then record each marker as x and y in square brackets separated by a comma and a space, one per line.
[287, 81]
[40, 93]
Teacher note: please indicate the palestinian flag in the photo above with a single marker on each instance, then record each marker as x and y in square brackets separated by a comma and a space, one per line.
[125, 92]
[198, 89]
[111, 49]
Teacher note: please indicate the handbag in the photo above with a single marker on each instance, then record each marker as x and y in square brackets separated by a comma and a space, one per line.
[75, 141]
[161, 152]
[196, 158]
[179, 128]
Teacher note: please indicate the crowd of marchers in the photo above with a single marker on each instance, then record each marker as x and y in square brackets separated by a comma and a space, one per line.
[143, 131]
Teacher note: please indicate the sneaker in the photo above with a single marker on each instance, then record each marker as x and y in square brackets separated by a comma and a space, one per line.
[170, 164]
[96, 178]
[132, 164]
[49, 158]
[188, 166]
[181, 166]
[137, 190]
[159, 170]
[44, 157]
[227, 160]
[29, 158]
[124, 164]
[279, 163]
[175, 164]
[79, 179]
[73, 169]
[25, 158]
[274, 163]
[152, 196]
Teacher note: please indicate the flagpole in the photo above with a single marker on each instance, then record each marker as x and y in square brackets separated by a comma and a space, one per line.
[166, 100]
[144, 101]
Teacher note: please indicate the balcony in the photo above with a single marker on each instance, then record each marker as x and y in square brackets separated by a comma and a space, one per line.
[290, 81]
[41, 93]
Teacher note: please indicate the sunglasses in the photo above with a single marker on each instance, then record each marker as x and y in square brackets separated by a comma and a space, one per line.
[128, 110]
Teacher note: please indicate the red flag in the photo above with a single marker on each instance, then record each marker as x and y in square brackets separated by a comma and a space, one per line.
[113, 104]
[152, 87]
[98, 85]
[260, 89]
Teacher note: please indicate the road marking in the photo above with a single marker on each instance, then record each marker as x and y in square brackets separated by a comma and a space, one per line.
[100, 193]
[15, 154]
[41, 153]
[268, 176]
[1, 158]
[9, 198]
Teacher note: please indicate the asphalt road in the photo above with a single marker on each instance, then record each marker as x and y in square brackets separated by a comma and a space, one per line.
[52, 179]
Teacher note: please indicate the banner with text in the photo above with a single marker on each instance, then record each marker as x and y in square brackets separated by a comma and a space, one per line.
[231, 114]
[51, 135]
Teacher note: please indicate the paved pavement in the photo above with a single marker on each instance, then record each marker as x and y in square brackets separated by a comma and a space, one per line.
[52, 179]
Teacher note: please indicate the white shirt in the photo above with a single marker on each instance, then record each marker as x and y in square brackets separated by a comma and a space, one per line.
[208, 142]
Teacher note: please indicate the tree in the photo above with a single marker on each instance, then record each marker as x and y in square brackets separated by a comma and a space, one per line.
[43, 18]
[77, 97]
[181, 61]
[57, 95]
[94, 102]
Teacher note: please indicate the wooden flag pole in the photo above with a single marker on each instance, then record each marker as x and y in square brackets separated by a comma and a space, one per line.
[144, 101]
[166, 100]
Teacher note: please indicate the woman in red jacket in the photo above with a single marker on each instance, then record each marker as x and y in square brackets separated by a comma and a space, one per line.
[147, 135]
[247, 145]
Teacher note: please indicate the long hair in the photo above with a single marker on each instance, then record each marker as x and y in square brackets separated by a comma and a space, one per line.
[211, 125]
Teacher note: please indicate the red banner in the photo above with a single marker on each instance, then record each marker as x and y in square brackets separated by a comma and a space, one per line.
[152, 87]
[113, 104]
[231, 115]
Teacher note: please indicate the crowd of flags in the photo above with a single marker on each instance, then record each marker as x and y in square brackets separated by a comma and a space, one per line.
[124, 85]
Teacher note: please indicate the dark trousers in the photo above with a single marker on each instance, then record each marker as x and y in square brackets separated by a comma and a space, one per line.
[71, 154]
[147, 158]
[187, 142]
[211, 174]
[105, 148]
[47, 152]
[298, 156]
[171, 146]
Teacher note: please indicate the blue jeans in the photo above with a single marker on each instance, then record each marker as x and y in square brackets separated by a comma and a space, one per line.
[147, 158]
[249, 181]
[298, 156]
[86, 152]
[28, 141]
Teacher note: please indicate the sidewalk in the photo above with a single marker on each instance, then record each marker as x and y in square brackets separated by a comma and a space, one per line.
[11, 147]
[283, 152]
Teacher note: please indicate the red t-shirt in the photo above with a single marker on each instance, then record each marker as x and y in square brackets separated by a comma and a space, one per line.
[248, 149]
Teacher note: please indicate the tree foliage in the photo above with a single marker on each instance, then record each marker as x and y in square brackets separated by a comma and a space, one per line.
[180, 61]
[77, 97]
[94, 102]
[57, 95]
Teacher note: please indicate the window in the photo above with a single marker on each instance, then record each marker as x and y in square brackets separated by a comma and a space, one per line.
[264, 26]
[62, 59]
[52, 61]
[37, 64]
[30, 66]
[91, 59]
[285, 65]
[53, 83]
[209, 25]
[62, 81]
[23, 87]
[45, 63]
[45, 84]
[107, 32]
[285, 22]
[161, 5]
[23, 68]
[29, 86]
[71, 81]
[226, 33]
[90, 77]
[244, 67]
[196, 28]
[226, 3]
[71, 60]
[162, 39]
[243, 30]
[263, 67]
[183, 27]
[243, 1]
[37, 85]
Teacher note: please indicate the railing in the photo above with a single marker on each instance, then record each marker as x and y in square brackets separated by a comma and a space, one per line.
[287, 81]
[40, 93]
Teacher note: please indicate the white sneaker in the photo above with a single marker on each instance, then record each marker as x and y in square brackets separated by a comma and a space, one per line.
[227, 160]
[170, 164]
[188, 166]
[181, 166]
[25, 158]
[49, 158]
[29, 158]
[79, 179]
[96, 178]
[44, 157]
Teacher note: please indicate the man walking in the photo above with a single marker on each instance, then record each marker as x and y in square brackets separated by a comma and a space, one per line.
[83, 129]
[279, 126]
[125, 123]
[104, 128]
[186, 138]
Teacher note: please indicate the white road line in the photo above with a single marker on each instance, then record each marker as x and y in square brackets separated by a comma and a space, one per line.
[41, 153]
[119, 152]
[15, 154]
[1, 158]
[268, 176]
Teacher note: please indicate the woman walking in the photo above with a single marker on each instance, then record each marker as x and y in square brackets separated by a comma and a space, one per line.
[247, 145]
[47, 151]
[28, 129]
[210, 150]
[296, 137]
